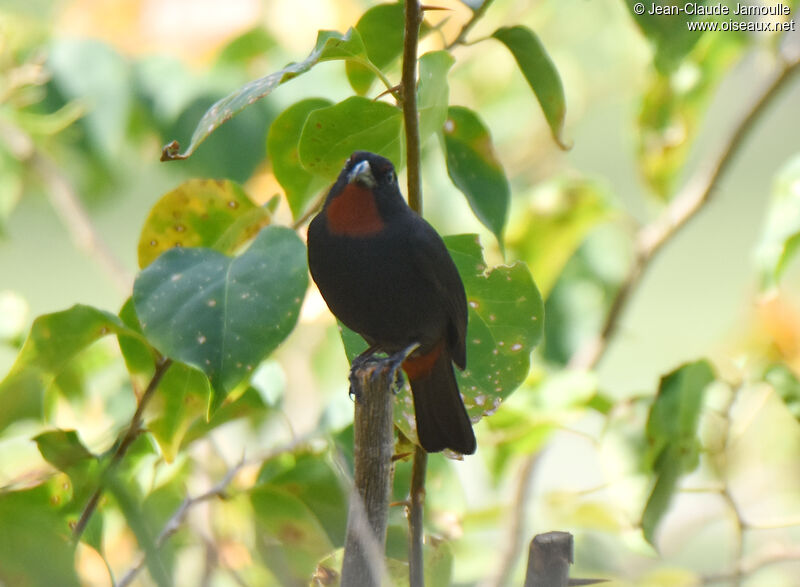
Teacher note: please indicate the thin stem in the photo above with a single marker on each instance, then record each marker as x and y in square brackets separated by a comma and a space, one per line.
[416, 510]
[177, 519]
[413, 19]
[686, 205]
[67, 205]
[476, 16]
[131, 433]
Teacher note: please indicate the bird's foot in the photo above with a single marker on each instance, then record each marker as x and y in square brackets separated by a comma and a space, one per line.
[379, 365]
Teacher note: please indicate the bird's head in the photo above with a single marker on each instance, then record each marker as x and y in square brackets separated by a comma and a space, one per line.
[364, 197]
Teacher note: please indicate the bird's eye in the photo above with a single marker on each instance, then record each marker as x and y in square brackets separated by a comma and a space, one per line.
[390, 176]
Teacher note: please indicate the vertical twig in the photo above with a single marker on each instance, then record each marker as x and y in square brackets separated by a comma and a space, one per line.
[413, 20]
[132, 432]
[416, 508]
[368, 514]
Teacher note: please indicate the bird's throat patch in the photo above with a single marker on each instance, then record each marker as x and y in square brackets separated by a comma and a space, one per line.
[417, 367]
[354, 212]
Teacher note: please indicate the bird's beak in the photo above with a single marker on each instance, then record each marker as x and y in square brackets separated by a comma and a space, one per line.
[362, 173]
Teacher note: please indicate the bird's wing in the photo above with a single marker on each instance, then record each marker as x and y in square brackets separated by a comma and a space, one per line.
[435, 264]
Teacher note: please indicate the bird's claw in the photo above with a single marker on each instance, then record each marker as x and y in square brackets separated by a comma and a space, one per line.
[393, 363]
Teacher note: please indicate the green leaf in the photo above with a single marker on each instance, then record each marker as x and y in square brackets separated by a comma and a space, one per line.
[330, 46]
[541, 74]
[331, 134]
[291, 538]
[223, 315]
[35, 544]
[672, 435]
[781, 235]
[282, 145]
[311, 478]
[62, 449]
[434, 93]
[560, 215]
[673, 106]
[381, 29]
[475, 170]
[53, 342]
[668, 32]
[201, 213]
[250, 45]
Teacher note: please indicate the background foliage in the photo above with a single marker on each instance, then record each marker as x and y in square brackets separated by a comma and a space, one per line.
[667, 446]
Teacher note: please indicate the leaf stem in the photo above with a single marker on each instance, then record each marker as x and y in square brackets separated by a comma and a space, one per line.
[131, 433]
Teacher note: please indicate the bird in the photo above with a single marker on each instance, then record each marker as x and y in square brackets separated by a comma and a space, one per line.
[386, 274]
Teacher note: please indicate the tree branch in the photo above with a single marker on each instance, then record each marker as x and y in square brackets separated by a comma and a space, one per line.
[178, 518]
[131, 433]
[413, 19]
[686, 205]
[368, 514]
[67, 205]
[652, 238]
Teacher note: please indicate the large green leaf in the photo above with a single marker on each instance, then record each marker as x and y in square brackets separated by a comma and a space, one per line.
[223, 315]
[560, 215]
[53, 342]
[781, 235]
[201, 213]
[541, 74]
[291, 539]
[35, 545]
[474, 168]
[330, 46]
[331, 134]
[283, 144]
[434, 93]
[672, 436]
[381, 29]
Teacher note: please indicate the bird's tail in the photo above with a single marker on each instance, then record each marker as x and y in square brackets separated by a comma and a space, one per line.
[442, 420]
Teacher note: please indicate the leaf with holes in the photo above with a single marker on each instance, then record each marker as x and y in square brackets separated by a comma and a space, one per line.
[330, 46]
[282, 145]
[331, 134]
[541, 74]
[54, 340]
[475, 170]
[223, 315]
[201, 213]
